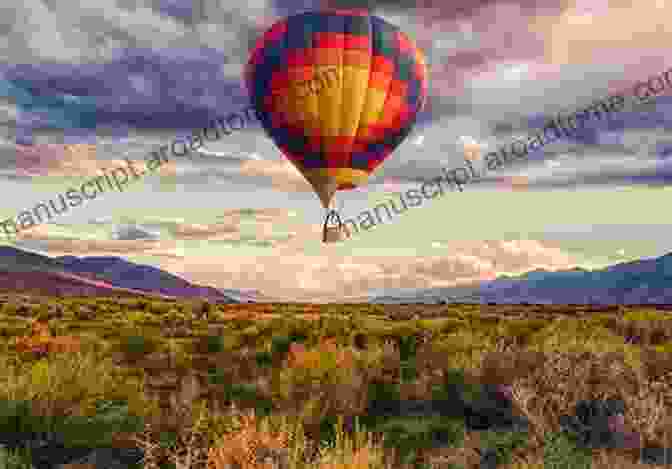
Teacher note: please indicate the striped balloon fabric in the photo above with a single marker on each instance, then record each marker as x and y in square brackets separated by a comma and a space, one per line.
[337, 91]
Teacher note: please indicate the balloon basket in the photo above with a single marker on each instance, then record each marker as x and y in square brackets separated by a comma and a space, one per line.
[332, 234]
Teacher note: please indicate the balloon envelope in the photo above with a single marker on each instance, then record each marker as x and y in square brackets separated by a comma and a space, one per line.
[337, 92]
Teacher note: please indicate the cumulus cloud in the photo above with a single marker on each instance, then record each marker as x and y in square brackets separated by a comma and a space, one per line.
[609, 32]
[97, 31]
[283, 174]
[327, 275]
[209, 232]
[74, 160]
[331, 277]
[133, 232]
[49, 239]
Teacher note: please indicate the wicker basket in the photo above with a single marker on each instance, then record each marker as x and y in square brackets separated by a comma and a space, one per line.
[334, 234]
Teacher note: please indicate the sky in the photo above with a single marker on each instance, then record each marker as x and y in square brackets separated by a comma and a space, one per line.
[240, 216]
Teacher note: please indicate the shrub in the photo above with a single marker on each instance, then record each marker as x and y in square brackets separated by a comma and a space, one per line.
[70, 384]
[407, 346]
[561, 453]
[249, 335]
[522, 330]
[160, 308]
[574, 335]
[15, 417]
[139, 345]
[15, 459]
[408, 371]
[502, 443]
[214, 344]
[10, 309]
[352, 452]
[109, 418]
[646, 315]
[408, 435]
[41, 343]
[280, 343]
[325, 361]
[383, 400]
[463, 350]
[247, 395]
[264, 359]
[245, 446]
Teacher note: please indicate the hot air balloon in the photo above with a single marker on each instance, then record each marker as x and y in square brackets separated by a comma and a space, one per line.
[337, 91]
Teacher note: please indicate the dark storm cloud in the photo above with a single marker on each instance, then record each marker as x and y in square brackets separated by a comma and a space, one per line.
[142, 90]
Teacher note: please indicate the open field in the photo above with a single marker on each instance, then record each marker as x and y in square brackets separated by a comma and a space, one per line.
[334, 386]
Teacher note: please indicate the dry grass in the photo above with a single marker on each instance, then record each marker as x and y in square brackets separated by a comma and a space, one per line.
[246, 446]
[548, 368]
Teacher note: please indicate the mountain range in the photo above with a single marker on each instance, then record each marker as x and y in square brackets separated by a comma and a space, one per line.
[30, 272]
[643, 281]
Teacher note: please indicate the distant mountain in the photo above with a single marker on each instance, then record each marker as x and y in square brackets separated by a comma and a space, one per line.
[22, 270]
[644, 281]
[122, 273]
[58, 284]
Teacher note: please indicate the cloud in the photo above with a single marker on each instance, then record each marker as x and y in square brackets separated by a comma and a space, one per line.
[230, 155]
[85, 32]
[133, 232]
[104, 220]
[75, 160]
[210, 232]
[283, 174]
[333, 277]
[615, 32]
[292, 273]
[49, 239]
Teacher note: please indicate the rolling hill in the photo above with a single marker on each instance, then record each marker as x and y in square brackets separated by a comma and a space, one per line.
[644, 281]
[24, 271]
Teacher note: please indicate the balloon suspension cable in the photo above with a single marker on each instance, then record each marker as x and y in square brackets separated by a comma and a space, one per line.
[331, 214]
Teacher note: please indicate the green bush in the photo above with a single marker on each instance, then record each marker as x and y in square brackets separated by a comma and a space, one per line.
[264, 359]
[328, 429]
[214, 344]
[216, 376]
[407, 346]
[15, 459]
[138, 345]
[560, 452]
[382, 393]
[408, 371]
[16, 417]
[280, 343]
[455, 386]
[247, 394]
[503, 442]
[168, 439]
[410, 434]
[379, 390]
[110, 417]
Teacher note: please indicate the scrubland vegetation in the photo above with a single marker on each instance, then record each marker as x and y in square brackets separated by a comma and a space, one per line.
[321, 386]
